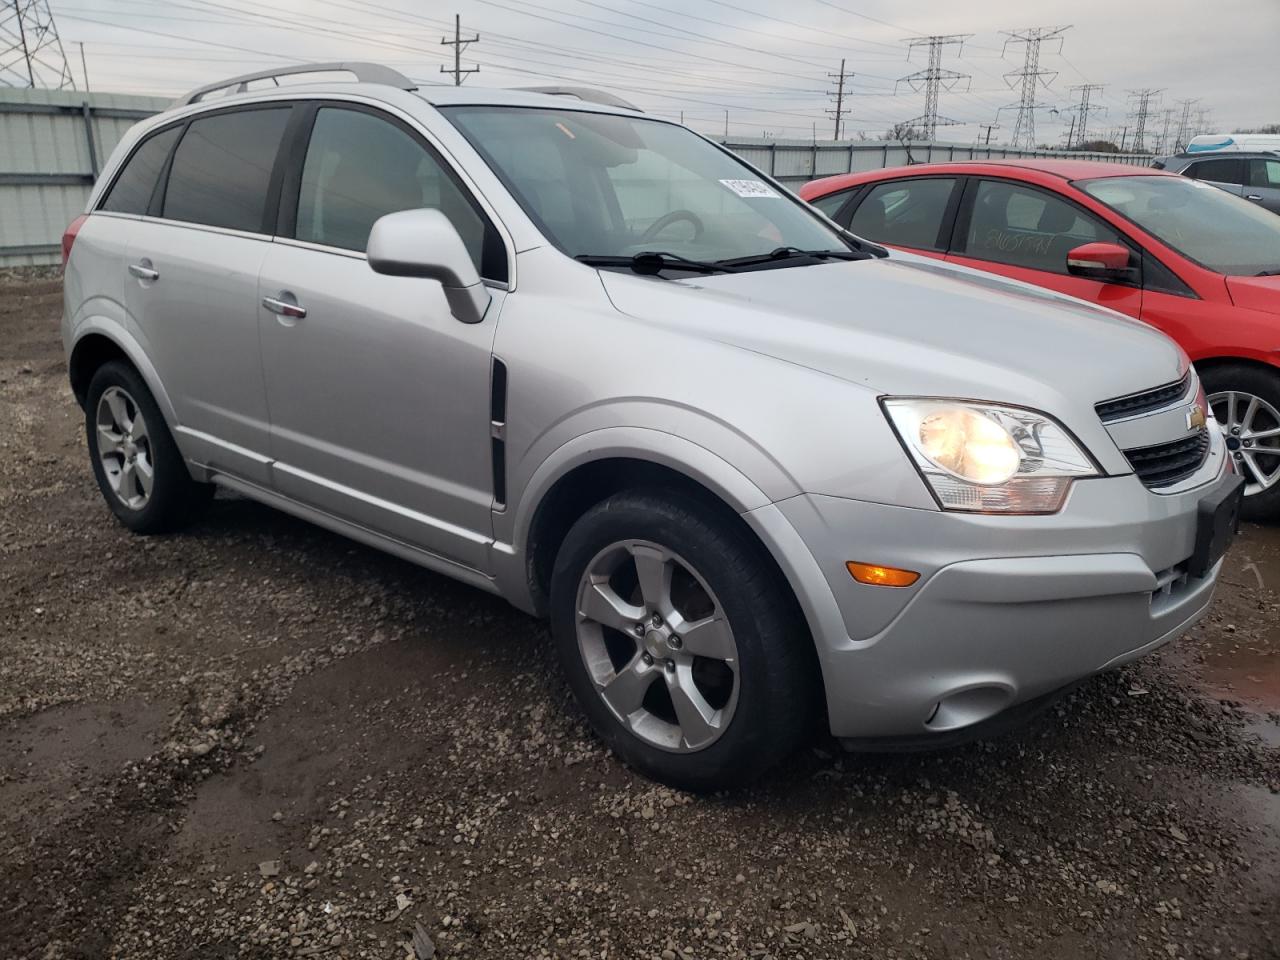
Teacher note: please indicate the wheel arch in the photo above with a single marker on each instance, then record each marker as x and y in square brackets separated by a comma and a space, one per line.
[1205, 364]
[592, 468]
[99, 341]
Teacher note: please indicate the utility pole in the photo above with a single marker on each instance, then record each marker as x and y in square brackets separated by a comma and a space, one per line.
[1071, 133]
[31, 53]
[932, 79]
[1183, 125]
[1085, 109]
[726, 124]
[987, 127]
[1029, 78]
[838, 113]
[84, 66]
[1142, 109]
[459, 43]
[1123, 137]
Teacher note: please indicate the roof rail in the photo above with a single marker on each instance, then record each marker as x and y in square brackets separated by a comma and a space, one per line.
[363, 72]
[586, 94]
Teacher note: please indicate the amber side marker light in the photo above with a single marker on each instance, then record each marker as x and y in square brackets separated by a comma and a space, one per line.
[877, 576]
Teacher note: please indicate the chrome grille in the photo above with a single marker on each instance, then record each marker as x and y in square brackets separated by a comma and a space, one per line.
[1144, 402]
[1164, 464]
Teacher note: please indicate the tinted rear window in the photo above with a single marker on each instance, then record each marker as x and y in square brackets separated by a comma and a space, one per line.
[222, 168]
[131, 193]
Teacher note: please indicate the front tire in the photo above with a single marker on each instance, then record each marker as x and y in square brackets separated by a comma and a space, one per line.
[1245, 401]
[139, 469]
[681, 642]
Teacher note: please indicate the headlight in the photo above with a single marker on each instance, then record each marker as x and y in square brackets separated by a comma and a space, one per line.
[988, 458]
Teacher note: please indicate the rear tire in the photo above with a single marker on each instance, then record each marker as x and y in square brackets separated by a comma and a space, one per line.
[139, 469]
[1245, 401]
[714, 708]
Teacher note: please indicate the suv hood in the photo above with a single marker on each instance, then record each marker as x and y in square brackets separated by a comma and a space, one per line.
[911, 326]
[1255, 293]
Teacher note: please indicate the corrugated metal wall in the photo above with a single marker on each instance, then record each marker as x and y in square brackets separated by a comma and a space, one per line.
[797, 161]
[52, 146]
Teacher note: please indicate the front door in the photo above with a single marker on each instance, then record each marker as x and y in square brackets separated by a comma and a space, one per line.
[1263, 187]
[1023, 232]
[379, 397]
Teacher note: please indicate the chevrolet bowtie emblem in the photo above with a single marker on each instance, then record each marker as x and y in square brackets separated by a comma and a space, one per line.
[1196, 417]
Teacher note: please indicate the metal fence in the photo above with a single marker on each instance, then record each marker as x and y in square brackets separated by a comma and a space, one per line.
[52, 146]
[797, 161]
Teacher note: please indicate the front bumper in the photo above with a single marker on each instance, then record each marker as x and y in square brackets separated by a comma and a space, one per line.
[1007, 609]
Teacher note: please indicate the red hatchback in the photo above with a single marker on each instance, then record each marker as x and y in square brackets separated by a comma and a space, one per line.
[1188, 258]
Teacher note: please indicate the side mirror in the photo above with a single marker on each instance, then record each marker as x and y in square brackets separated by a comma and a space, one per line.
[1099, 261]
[423, 243]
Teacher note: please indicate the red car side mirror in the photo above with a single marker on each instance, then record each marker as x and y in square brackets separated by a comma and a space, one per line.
[1101, 261]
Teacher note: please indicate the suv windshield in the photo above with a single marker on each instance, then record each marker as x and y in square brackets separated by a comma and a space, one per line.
[1202, 222]
[601, 185]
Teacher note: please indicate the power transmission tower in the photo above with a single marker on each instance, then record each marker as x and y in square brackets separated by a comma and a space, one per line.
[31, 53]
[1204, 120]
[1142, 109]
[1030, 76]
[459, 43]
[1084, 110]
[932, 79]
[1163, 146]
[838, 113]
[1184, 124]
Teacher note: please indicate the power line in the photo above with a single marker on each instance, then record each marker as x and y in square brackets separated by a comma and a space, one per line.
[933, 79]
[1142, 109]
[459, 43]
[31, 53]
[1031, 77]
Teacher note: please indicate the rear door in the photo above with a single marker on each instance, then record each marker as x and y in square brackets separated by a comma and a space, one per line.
[379, 396]
[1024, 232]
[1263, 186]
[1225, 172]
[913, 213]
[192, 282]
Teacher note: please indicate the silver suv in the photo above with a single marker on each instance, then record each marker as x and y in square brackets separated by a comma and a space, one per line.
[756, 471]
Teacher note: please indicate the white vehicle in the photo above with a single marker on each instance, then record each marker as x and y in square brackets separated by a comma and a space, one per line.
[1233, 142]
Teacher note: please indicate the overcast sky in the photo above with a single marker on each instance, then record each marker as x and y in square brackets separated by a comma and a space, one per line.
[764, 62]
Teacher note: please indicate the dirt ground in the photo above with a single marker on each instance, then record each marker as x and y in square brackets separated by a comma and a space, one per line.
[256, 739]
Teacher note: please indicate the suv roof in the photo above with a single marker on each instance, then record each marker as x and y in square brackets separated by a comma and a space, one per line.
[435, 94]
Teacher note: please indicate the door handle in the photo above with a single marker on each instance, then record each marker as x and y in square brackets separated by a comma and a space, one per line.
[284, 308]
[144, 271]
[1253, 196]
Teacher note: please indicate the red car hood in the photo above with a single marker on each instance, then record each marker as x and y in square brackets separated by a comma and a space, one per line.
[1255, 293]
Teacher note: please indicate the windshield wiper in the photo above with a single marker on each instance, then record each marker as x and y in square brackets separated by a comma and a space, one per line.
[652, 262]
[1267, 273]
[779, 254]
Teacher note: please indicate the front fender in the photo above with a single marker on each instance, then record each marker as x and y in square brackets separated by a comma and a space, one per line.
[676, 452]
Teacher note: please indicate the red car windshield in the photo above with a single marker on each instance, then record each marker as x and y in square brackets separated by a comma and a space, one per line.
[1203, 223]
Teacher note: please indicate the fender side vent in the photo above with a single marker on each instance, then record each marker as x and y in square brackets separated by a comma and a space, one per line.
[498, 431]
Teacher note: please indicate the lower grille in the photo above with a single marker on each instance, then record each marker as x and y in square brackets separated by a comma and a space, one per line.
[1164, 464]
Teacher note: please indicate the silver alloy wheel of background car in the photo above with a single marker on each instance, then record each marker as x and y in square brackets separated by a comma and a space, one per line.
[657, 646]
[1251, 426]
[124, 447]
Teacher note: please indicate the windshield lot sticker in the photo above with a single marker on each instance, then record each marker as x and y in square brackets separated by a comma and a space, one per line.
[750, 188]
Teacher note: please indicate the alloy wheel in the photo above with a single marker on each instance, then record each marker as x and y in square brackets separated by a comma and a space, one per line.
[1251, 427]
[657, 646]
[124, 447]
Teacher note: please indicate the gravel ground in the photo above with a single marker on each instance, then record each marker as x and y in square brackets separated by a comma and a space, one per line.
[257, 739]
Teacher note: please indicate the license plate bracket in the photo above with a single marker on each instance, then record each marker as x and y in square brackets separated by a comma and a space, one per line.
[1218, 520]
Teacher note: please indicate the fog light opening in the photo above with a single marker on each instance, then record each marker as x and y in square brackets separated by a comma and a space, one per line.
[874, 575]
